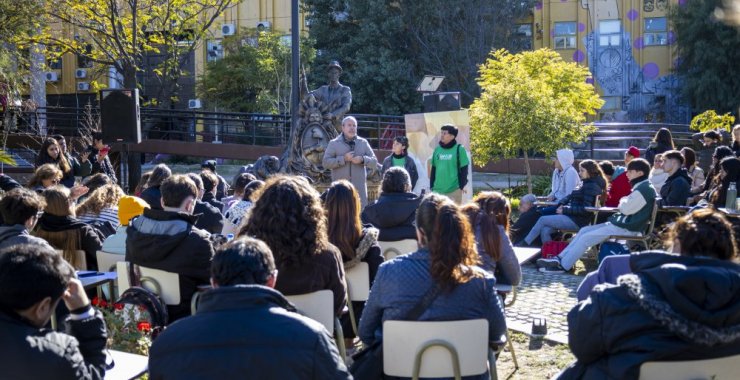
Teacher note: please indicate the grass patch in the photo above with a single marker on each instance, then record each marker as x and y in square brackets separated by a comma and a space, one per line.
[538, 359]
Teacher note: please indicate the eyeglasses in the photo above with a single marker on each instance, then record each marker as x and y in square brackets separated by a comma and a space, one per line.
[55, 181]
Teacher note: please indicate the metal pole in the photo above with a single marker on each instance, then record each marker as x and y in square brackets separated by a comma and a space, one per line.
[295, 90]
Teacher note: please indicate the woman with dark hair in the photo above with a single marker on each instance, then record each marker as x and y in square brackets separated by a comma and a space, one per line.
[233, 216]
[662, 142]
[356, 242]
[59, 226]
[152, 194]
[713, 180]
[401, 158]
[141, 186]
[489, 215]
[395, 210]
[239, 182]
[289, 217]
[693, 170]
[51, 153]
[729, 173]
[571, 213]
[444, 268]
[735, 146]
[679, 306]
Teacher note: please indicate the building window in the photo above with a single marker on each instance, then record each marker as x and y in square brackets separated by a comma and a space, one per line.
[656, 31]
[610, 33]
[522, 37]
[215, 50]
[565, 35]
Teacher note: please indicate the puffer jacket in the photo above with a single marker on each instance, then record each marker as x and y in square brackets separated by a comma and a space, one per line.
[676, 189]
[245, 331]
[584, 196]
[169, 241]
[394, 215]
[670, 308]
[31, 353]
[18, 234]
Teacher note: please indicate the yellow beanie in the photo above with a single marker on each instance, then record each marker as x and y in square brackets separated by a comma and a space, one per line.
[130, 207]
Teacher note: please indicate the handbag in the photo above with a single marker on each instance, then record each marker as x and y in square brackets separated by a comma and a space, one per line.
[368, 363]
[553, 248]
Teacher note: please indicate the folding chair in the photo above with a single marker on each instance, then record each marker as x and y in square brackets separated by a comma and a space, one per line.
[165, 284]
[568, 234]
[437, 349]
[720, 368]
[319, 306]
[358, 289]
[392, 249]
[647, 234]
[508, 290]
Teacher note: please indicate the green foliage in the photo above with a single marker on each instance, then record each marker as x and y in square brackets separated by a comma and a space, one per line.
[386, 47]
[709, 52]
[710, 121]
[253, 75]
[19, 20]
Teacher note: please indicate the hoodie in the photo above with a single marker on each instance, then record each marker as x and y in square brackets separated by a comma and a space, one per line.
[565, 180]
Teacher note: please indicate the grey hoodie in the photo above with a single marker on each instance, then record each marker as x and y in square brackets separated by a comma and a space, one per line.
[18, 234]
[564, 181]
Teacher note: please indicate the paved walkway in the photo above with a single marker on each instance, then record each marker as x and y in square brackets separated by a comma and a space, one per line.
[544, 295]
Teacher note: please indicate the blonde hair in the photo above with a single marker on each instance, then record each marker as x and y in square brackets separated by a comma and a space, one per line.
[103, 197]
[69, 241]
[57, 201]
[45, 172]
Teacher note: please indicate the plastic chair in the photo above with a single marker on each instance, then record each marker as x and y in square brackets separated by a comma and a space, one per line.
[107, 261]
[358, 289]
[392, 249]
[510, 292]
[123, 281]
[166, 284]
[720, 368]
[319, 306]
[437, 349]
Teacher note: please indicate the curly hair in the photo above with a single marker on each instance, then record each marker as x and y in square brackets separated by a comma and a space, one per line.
[489, 210]
[450, 240]
[704, 232]
[45, 172]
[289, 217]
[103, 197]
[343, 216]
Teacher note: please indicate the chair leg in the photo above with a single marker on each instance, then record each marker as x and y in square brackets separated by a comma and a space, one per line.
[511, 349]
[352, 318]
[339, 337]
[492, 365]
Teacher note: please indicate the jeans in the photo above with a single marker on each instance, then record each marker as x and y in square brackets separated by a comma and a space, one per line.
[586, 238]
[547, 224]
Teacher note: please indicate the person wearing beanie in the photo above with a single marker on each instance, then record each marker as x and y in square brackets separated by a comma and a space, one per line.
[222, 188]
[129, 207]
[449, 165]
[620, 185]
[631, 219]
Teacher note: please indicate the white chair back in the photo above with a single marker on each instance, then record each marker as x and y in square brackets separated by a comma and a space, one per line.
[391, 249]
[124, 281]
[404, 340]
[721, 368]
[167, 284]
[107, 261]
[78, 260]
[318, 306]
[358, 282]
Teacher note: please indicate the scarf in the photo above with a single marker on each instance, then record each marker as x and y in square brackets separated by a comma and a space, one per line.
[639, 179]
[54, 223]
[448, 146]
[399, 156]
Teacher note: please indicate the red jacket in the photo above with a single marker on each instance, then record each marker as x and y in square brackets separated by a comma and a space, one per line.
[619, 188]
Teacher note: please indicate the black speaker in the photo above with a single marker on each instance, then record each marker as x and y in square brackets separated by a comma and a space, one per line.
[442, 101]
[119, 116]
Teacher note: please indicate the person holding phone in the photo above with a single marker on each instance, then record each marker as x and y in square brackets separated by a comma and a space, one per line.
[99, 157]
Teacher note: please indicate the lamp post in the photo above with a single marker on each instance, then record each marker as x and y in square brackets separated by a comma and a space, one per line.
[295, 64]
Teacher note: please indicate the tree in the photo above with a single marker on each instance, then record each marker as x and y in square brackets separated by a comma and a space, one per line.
[531, 101]
[19, 20]
[119, 33]
[709, 52]
[254, 74]
[386, 47]
[710, 121]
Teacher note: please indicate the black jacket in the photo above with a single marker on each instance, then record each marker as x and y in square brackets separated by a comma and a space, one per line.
[222, 188]
[393, 214]
[104, 166]
[523, 225]
[408, 164]
[211, 199]
[655, 149]
[670, 308]
[583, 196]
[90, 239]
[676, 189]
[245, 331]
[209, 217]
[31, 353]
[152, 196]
[168, 241]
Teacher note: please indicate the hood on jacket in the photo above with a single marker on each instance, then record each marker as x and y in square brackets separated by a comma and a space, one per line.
[7, 231]
[598, 181]
[617, 171]
[241, 296]
[156, 234]
[697, 298]
[391, 209]
[565, 157]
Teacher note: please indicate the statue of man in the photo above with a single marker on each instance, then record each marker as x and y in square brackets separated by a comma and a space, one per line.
[336, 97]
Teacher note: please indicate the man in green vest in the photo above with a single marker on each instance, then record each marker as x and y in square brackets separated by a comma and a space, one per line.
[449, 166]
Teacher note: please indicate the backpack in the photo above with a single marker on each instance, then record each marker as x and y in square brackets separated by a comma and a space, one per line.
[151, 302]
[611, 248]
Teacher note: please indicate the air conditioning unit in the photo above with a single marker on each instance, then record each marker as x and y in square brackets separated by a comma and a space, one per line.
[51, 76]
[228, 29]
[263, 25]
[194, 104]
[80, 73]
[83, 86]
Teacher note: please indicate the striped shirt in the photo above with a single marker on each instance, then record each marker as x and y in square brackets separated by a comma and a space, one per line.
[108, 214]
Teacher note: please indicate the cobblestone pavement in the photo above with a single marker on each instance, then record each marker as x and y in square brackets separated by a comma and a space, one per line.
[543, 295]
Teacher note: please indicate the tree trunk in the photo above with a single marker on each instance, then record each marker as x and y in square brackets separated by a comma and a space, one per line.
[129, 77]
[529, 172]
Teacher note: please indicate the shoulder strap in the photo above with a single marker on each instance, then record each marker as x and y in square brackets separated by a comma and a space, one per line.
[458, 156]
[424, 303]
